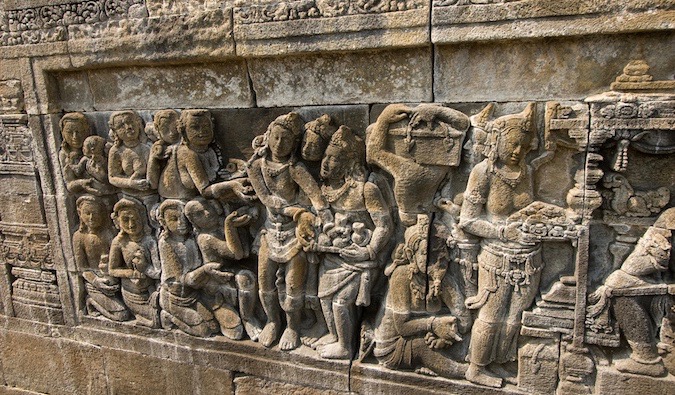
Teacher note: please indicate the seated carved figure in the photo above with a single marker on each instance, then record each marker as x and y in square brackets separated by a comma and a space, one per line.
[134, 259]
[226, 279]
[353, 243]
[94, 165]
[283, 185]
[407, 335]
[91, 244]
[181, 269]
[192, 167]
[640, 309]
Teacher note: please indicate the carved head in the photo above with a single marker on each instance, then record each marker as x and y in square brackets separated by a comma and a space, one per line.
[74, 129]
[170, 215]
[344, 156]
[513, 137]
[316, 137]
[93, 146]
[283, 135]
[196, 127]
[414, 249]
[166, 126]
[205, 215]
[130, 217]
[126, 127]
[91, 212]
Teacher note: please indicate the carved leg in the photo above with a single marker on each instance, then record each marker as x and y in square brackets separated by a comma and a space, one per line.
[331, 336]
[483, 338]
[290, 339]
[270, 303]
[344, 325]
[436, 362]
[247, 300]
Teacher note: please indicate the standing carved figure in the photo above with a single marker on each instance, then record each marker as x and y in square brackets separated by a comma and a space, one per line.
[509, 264]
[91, 244]
[407, 335]
[280, 182]
[192, 167]
[231, 288]
[353, 243]
[128, 157]
[134, 258]
[74, 130]
[165, 125]
[178, 295]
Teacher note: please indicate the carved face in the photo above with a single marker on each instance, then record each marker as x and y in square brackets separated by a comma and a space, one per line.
[130, 222]
[281, 141]
[74, 133]
[333, 164]
[90, 215]
[513, 145]
[199, 131]
[421, 256]
[312, 146]
[174, 221]
[126, 129]
[167, 127]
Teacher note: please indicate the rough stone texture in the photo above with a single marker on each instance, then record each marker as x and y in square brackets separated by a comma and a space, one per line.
[613, 382]
[249, 385]
[542, 69]
[210, 85]
[361, 77]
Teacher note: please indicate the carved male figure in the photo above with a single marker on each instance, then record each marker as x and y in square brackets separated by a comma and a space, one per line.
[221, 248]
[91, 244]
[509, 264]
[280, 182]
[134, 258]
[365, 226]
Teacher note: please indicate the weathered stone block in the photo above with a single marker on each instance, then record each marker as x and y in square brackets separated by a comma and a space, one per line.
[362, 77]
[208, 85]
[543, 69]
[611, 381]
[250, 385]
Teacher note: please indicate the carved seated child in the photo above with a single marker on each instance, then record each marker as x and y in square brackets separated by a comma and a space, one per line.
[221, 247]
[94, 165]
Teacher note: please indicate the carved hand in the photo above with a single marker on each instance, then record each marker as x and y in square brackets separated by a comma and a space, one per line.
[445, 327]
[213, 269]
[141, 185]
[238, 220]
[394, 113]
[305, 230]
[355, 253]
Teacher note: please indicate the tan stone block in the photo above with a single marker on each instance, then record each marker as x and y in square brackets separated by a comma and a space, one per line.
[73, 91]
[544, 69]
[250, 385]
[207, 85]
[349, 78]
[46, 87]
[51, 365]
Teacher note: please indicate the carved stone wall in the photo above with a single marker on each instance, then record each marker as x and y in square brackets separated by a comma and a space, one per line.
[337, 196]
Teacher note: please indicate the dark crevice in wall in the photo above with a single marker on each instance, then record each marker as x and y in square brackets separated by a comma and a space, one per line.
[433, 54]
[254, 96]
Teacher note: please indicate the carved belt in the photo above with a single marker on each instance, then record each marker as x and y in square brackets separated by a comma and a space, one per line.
[515, 268]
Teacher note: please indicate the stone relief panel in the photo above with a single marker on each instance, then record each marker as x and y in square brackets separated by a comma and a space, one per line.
[503, 245]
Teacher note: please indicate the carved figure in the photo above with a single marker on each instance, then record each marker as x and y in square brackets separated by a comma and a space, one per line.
[128, 157]
[407, 336]
[192, 167]
[624, 200]
[364, 224]
[91, 244]
[134, 258]
[278, 179]
[231, 287]
[165, 125]
[316, 137]
[181, 263]
[418, 173]
[640, 300]
[94, 165]
[509, 263]
[74, 130]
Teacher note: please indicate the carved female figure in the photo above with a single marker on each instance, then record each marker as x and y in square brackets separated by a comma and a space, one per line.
[91, 244]
[128, 157]
[363, 231]
[509, 263]
[192, 167]
[278, 180]
[178, 296]
[165, 123]
[407, 336]
[74, 130]
[134, 258]
[221, 248]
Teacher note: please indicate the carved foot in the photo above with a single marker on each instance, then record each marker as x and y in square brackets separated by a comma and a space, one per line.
[334, 351]
[311, 336]
[327, 339]
[269, 334]
[480, 375]
[290, 340]
[501, 371]
[654, 368]
[253, 329]
[236, 333]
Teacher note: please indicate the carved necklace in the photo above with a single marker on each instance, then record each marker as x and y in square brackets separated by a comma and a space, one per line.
[510, 181]
[271, 172]
[332, 195]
